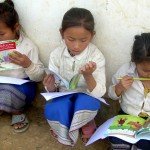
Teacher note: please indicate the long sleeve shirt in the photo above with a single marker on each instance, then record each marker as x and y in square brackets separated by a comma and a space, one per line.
[67, 66]
[133, 101]
[36, 70]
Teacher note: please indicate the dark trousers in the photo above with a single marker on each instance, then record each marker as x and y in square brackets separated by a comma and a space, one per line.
[118, 144]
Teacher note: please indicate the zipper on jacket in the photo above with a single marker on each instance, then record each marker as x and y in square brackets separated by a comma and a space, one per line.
[145, 95]
[73, 66]
[141, 113]
[142, 106]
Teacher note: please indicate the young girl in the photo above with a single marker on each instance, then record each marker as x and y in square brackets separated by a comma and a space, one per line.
[67, 114]
[134, 95]
[13, 98]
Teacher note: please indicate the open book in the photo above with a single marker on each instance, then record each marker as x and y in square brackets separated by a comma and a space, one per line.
[126, 127]
[12, 80]
[7, 48]
[71, 85]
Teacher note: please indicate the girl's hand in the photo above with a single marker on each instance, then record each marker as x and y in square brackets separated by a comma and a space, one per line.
[49, 82]
[124, 84]
[88, 68]
[87, 71]
[20, 59]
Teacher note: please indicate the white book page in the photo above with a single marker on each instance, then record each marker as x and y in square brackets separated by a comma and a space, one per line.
[99, 98]
[10, 80]
[51, 95]
[100, 132]
[143, 135]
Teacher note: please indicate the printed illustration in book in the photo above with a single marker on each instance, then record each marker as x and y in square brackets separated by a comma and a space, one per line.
[126, 127]
[71, 85]
[131, 126]
[7, 48]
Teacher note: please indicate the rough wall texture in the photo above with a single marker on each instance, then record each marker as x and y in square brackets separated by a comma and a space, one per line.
[117, 21]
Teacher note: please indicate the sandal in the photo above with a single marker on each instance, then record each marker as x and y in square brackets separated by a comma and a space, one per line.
[20, 123]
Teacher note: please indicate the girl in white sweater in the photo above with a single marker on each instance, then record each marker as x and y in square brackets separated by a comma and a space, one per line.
[134, 95]
[67, 114]
[13, 98]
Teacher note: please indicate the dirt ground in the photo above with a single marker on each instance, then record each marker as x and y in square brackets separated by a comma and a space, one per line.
[38, 136]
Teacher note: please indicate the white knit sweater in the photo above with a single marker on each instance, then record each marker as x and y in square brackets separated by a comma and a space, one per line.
[36, 70]
[132, 101]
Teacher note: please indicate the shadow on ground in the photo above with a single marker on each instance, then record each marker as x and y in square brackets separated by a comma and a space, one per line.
[38, 137]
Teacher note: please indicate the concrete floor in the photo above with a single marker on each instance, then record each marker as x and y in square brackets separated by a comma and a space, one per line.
[38, 137]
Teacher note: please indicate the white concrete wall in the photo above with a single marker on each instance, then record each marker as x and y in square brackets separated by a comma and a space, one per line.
[117, 21]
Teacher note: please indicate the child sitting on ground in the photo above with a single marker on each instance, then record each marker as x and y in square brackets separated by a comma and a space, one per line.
[13, 98]
[76, 55]
[134, 95]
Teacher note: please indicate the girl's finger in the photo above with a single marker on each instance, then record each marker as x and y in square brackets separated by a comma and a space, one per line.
[17, 53]
[15, 61]
[128, 77]
[90, 65]
[50, 79]
[94, 65]
[87, 66]
[14, 57]
[47, 78]
[82, 69]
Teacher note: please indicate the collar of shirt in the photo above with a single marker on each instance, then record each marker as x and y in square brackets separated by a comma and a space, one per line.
[77, 57]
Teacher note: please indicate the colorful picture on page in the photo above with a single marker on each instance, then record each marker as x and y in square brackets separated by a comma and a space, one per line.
[126, 124]
[6, 48]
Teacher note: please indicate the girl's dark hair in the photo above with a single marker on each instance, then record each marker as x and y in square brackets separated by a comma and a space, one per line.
[141, 48]
[8, 14]
[78, 17]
